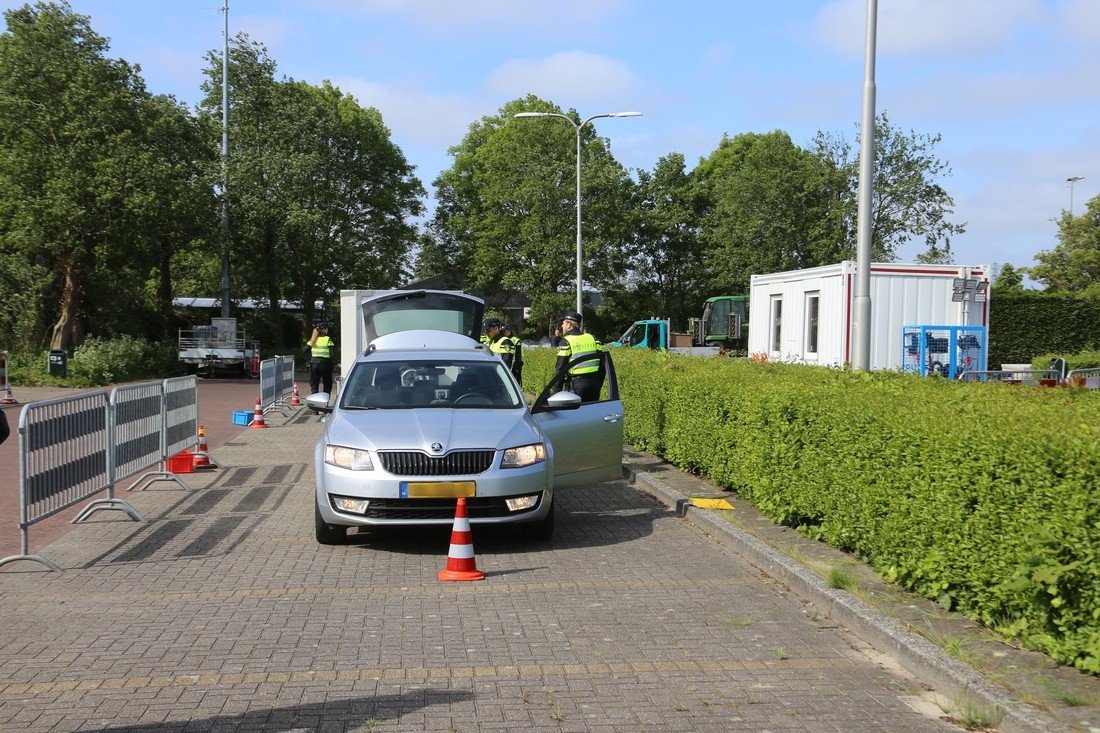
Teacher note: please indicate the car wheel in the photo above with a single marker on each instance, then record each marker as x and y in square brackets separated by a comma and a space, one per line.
[543, 530]
[327, 534]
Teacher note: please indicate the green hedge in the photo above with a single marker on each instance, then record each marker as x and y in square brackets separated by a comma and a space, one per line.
[981, 496]
[1025, 324]
[1083, 360]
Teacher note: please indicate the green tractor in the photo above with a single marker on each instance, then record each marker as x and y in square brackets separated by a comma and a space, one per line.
[725, 324]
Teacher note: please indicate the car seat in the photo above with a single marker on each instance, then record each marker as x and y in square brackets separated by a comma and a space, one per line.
[465, 383]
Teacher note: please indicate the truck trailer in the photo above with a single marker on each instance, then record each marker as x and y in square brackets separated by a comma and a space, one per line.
[216, 349]
[806, 315]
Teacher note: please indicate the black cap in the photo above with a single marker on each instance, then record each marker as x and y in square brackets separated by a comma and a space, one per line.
[572, 316]
[489, 323]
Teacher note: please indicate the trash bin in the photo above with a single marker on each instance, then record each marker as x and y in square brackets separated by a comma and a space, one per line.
[59, 363]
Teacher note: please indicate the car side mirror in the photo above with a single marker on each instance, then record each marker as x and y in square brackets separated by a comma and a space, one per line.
[318, 402]
[563, 401]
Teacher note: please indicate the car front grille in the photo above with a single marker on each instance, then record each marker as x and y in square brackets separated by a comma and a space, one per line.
[485, 507]
[416, 463]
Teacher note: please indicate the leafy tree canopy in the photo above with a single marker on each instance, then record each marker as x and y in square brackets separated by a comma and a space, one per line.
[1073, 266]
[507, 204]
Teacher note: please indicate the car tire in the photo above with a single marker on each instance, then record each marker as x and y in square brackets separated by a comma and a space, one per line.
[327, 534]
[543, 529]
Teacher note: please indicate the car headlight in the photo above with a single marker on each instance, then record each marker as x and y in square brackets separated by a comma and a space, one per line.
[524, 455]
[350, 458]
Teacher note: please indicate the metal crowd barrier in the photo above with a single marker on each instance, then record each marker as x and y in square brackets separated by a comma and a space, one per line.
[1034, 377]
[178, 426]
[1087, 378]
[276, 383]
[72, 448]
[64, 458]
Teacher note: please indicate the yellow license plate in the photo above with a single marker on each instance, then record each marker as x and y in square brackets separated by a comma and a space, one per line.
[437, 489]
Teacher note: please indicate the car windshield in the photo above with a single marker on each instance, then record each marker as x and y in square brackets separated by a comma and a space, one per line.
[404, 384]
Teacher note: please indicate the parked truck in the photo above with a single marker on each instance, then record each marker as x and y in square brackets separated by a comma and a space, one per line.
[656, 333]
[723, 315]
[218, 348]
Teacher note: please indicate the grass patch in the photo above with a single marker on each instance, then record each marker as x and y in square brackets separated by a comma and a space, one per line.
[841, 579]
[973, 715]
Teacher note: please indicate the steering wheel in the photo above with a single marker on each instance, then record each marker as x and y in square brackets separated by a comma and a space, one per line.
[408, 378]
[473, 398]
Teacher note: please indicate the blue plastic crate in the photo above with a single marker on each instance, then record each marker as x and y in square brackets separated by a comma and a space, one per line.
[243, 417]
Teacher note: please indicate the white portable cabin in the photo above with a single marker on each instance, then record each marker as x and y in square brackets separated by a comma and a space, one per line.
[806, 315]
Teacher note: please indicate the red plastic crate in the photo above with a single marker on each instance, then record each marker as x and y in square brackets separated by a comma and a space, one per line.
[182, 462]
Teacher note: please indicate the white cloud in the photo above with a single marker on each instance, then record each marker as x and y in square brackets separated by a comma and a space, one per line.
[574, 77]
[415, 116]
[446, 15]
[916, 26]
[1012, 196]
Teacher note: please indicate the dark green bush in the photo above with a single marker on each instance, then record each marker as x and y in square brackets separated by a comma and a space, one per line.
[98, 362]
[981, 496]
[1027, 323]
[1082, 360]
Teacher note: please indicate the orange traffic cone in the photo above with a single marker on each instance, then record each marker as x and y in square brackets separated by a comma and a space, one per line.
[8, 399]
[258, 417]
[202, 458]
[460, 558]
[294, 401]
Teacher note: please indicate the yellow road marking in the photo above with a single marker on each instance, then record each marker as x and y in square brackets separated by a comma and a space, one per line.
[712, 503]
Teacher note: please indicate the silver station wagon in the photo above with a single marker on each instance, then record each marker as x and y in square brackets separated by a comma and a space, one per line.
[427, 414]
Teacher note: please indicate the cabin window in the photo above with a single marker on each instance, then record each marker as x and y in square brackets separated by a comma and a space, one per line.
[776, 321]
[813, 301]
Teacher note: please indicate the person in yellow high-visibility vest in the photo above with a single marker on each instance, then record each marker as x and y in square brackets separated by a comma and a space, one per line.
[320, 364]
[585, 377]
[495, 340]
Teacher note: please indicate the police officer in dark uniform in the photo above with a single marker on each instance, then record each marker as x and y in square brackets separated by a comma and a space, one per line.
[585, 377]
[517, 351]
[320, 365]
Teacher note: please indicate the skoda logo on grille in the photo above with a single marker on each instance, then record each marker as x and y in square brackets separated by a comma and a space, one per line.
[437, 447]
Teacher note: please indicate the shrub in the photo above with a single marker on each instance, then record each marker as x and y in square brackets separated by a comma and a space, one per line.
[981, 496]
[98, 362]
[1082, 360]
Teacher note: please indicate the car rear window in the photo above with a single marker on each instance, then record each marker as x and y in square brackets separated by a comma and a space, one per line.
[404, 384]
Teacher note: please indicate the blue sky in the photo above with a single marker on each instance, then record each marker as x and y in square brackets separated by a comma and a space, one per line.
[1010, 84]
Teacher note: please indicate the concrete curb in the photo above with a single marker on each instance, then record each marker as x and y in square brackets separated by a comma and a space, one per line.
[914, 652]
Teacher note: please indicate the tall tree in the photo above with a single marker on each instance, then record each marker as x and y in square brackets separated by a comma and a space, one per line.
[1073, 265]
[507, 205]
[668, 273]
[70, 155]
[769, 206]
[909, 202]
[320, 197]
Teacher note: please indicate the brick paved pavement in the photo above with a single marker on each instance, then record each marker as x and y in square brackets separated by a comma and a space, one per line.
[222, 614]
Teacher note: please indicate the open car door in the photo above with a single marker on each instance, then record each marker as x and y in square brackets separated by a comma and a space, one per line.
[587, 437]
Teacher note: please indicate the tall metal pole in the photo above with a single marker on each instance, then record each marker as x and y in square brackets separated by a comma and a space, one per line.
[1072, 180]
[577, 128]
[861, 322]
[580, 251]
[225, 165]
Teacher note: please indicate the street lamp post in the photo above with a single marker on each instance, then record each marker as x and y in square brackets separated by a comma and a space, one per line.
[1072, 180]
[578, 128]
[861, 315]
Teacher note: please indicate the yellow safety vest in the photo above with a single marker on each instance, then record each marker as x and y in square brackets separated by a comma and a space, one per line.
[322, 349]
[580, 344]
[501, 346]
